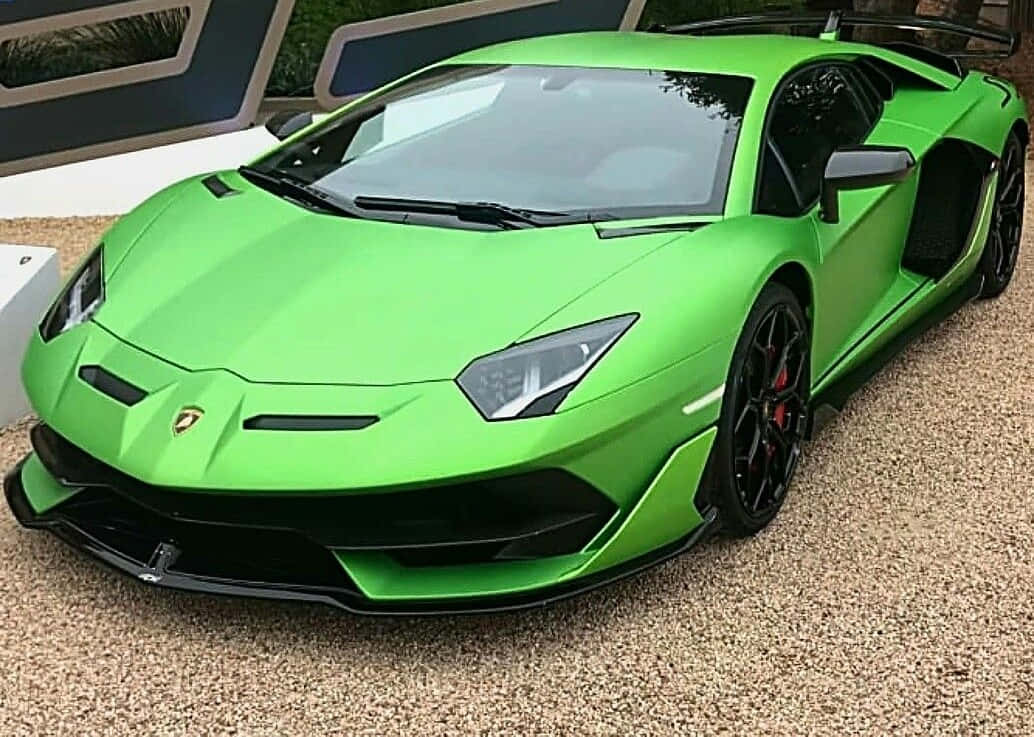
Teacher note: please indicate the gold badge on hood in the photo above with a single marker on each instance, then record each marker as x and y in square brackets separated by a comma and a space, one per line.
[186, 419]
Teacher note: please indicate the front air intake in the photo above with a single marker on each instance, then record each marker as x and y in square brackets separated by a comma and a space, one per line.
[534, 514]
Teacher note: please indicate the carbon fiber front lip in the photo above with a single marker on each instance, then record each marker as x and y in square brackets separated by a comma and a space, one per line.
[340, 598]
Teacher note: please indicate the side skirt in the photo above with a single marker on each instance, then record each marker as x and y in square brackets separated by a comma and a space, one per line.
[828, 403]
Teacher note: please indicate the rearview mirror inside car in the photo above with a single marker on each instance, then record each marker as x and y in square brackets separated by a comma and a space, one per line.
[862, 167]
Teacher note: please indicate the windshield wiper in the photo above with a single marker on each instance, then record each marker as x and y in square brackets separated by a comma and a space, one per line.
[296, 188]
[489, 213]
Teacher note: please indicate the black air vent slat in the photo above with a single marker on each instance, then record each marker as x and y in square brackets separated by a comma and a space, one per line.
[882, 81]
[303, 423]
[112, 386]
[607, 233]
[999, 84]
[218, 187]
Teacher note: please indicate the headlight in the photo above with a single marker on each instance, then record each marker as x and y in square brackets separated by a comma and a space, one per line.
[82, 297]
[531, 379]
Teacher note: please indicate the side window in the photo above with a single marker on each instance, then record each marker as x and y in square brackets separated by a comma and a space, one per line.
[816, 113]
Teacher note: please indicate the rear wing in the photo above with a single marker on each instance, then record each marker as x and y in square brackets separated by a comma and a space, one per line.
[832, 23]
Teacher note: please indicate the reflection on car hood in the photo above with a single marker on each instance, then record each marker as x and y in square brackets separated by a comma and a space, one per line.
[261, 287]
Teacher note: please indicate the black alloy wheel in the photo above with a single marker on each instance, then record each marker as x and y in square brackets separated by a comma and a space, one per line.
[1003, 240]
[765, 413]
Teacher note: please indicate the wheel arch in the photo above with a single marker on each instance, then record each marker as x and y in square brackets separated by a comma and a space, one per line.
[993, 108]
[1022, 129]
[795, 277]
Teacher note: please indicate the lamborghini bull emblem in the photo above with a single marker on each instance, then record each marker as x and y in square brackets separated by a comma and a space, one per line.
[186, 419]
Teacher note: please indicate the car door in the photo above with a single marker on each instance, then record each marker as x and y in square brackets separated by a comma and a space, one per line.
[817, 110]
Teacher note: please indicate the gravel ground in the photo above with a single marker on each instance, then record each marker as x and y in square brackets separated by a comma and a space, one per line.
[891, 596]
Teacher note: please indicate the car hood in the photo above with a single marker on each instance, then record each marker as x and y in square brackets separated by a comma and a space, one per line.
[258, 286]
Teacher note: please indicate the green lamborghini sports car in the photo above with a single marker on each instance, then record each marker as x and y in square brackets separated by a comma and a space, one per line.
[521, 323]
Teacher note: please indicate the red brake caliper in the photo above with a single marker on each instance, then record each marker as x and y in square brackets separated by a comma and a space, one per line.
[779, 415]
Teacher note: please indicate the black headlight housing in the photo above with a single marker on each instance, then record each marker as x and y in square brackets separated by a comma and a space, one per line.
[532, 378]
[80, 299]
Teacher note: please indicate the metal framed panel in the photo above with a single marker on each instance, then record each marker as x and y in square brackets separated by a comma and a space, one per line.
[215, 83]
[202, 91]
[363, 56]
[11, 96]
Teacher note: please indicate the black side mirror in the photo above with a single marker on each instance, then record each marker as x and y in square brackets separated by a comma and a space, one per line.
[862, 167]
[286, 124]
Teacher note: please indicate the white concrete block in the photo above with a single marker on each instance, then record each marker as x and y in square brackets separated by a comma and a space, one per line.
[29, 282]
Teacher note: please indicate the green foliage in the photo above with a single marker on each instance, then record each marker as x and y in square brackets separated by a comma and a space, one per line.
[311, 26]
[92, 48]
[21, 60]
[134, 40]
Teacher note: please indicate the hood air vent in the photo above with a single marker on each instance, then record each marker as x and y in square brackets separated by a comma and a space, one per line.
[218, 187]
[110, 385]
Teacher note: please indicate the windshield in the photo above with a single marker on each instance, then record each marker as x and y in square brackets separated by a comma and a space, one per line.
[607, 142]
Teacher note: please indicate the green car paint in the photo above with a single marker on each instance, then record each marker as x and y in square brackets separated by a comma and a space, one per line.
[43, 490]
[250, 305]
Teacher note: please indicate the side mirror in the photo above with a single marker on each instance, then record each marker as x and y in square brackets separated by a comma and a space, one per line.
[286, 124]
[862, 167]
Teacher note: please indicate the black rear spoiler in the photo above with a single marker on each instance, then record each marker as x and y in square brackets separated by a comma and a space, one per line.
[833, 22]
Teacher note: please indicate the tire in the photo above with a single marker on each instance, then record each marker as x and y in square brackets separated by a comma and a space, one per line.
[764, 414]
[998, 263]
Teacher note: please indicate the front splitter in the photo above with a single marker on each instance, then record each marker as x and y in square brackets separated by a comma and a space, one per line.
[342, 598]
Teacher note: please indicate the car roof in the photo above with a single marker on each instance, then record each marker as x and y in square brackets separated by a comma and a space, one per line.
[764, 57]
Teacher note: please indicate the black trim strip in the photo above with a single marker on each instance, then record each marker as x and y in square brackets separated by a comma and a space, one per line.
[607, 233]
[997, 83]
[345, 598]
[926, 55]
[309, 423]
[111, 386]
[882, 81]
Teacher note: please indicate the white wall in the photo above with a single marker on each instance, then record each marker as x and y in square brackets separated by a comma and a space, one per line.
[28, 282]
[115, 184]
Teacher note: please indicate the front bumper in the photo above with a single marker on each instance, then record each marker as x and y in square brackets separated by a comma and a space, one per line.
[153, 535]
[426, 433]
[556, 504]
